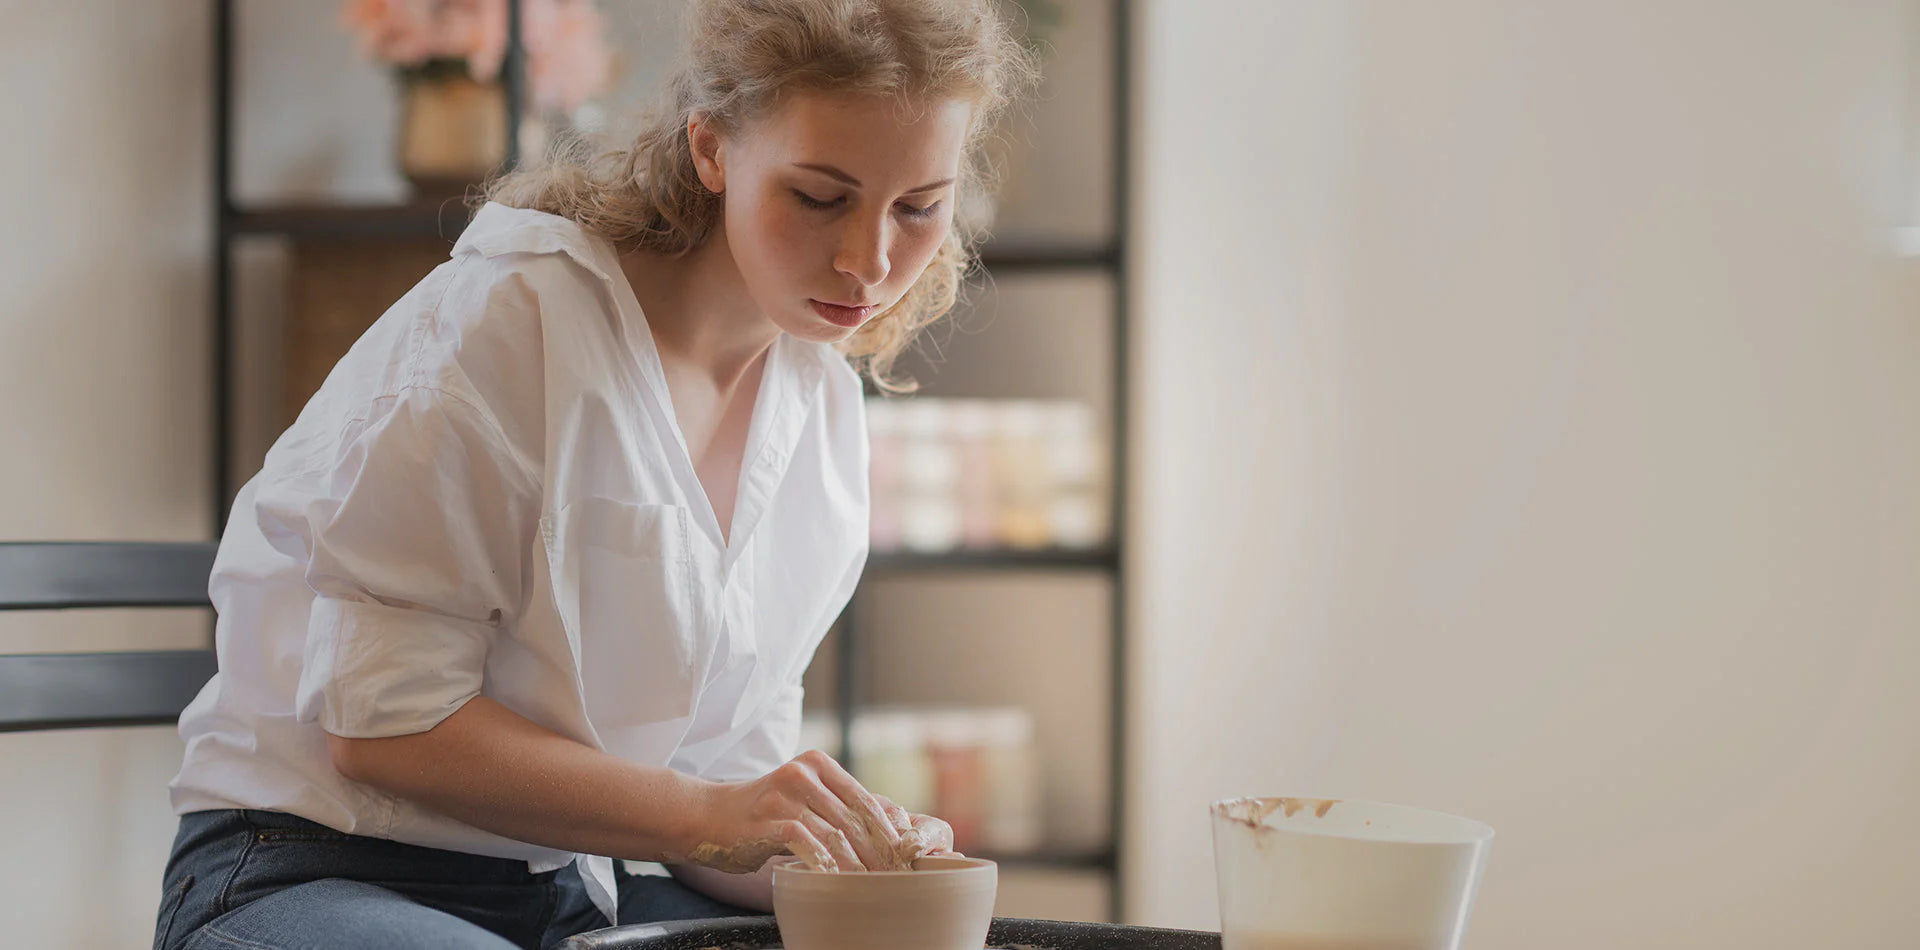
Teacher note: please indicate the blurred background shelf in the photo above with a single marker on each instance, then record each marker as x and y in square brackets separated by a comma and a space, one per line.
[1016, 255]
[439, 219]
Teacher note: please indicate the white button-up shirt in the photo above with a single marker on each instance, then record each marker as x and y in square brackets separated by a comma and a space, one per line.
[490, 495]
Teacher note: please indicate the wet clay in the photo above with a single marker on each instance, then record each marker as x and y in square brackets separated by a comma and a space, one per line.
[920, 836]
[1253, 812]
[1320, 805]
[746, 857]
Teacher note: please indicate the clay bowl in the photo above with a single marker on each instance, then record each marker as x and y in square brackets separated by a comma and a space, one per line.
[944, 903]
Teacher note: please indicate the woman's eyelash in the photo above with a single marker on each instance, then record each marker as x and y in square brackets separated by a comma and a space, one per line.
[815, 203]
[812, 202]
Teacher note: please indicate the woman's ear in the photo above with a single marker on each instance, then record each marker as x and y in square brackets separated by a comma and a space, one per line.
[709, 153]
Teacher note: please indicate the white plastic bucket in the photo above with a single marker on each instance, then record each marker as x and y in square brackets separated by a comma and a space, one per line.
[1320, 874]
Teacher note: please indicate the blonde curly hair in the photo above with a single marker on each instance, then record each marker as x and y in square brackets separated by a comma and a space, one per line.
[641, 191]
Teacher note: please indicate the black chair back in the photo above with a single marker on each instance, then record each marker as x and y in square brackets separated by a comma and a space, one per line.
[75, 690]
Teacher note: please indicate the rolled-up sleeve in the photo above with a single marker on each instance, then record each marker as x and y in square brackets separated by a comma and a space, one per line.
[416, 552]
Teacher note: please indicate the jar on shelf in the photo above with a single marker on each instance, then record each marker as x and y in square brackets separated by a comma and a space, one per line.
[1076, 506]
[970, 429]
[1012, 778]
[930, 472]
[890, 750]
[959, 774]
[1021, 476]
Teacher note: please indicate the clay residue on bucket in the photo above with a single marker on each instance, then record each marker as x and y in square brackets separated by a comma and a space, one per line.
[1253, 812]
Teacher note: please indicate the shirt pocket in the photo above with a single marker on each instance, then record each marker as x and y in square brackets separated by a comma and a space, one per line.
[624, 586]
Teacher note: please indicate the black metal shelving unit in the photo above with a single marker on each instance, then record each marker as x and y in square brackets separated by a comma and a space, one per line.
[1108, 560]
[445, 219]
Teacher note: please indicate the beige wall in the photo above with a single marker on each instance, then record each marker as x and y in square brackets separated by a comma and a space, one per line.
[1529, 427]
[103, 404]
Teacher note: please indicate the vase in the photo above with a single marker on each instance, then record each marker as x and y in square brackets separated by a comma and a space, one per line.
[453, 132]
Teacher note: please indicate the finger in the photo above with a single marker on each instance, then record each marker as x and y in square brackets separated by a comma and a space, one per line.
[876, 855]
[902, 821]
[913, 846]
[835, 841]
[834, 814]
[807, 786]
[864, 804]
[802, 843]
[858, 813]
[937, 834]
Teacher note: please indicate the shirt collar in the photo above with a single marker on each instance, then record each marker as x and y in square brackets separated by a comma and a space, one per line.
[791, 383]
[499, 229]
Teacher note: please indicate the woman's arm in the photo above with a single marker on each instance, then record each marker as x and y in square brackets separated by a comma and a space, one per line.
[498, 771]
[494, 769]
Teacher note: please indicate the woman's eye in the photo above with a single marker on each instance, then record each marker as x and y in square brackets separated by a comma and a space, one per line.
[823, 204]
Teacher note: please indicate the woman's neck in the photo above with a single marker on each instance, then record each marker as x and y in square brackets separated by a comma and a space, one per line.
[699, 311]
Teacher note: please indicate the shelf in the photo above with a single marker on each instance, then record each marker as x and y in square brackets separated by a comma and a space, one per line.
[446, 218]
[1016, 256]
[892, 562]
[443, 219]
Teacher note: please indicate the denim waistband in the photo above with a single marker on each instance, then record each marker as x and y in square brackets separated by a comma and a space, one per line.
[339, 851]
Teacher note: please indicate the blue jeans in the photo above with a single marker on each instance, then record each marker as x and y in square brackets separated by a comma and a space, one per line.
[261, 879]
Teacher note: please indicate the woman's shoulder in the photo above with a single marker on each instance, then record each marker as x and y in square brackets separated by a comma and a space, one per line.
[513, 271]
[478, 328]
[506, 240]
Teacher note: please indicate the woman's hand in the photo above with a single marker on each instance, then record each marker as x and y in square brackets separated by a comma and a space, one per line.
[809, 807]
[920, 835]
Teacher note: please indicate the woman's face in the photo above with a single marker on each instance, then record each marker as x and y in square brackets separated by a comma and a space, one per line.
[835, 200]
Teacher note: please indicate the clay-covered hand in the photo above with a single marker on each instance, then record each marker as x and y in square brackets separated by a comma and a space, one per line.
[920, 835]
[810, 807]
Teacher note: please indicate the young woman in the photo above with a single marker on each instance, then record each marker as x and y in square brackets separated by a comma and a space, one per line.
[531, 582]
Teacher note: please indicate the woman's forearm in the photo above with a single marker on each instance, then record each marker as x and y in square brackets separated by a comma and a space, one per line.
[498, 771]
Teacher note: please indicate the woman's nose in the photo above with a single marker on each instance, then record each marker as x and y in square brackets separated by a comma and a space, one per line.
[863, 252]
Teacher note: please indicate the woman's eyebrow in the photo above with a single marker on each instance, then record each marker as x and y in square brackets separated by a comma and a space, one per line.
[837, 174]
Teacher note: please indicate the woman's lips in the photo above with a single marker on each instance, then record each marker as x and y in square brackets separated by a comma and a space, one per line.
[842, 316]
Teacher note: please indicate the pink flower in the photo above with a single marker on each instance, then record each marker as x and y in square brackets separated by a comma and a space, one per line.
[567, 61]
[488, 48]
[566, 53]
[398, 31]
